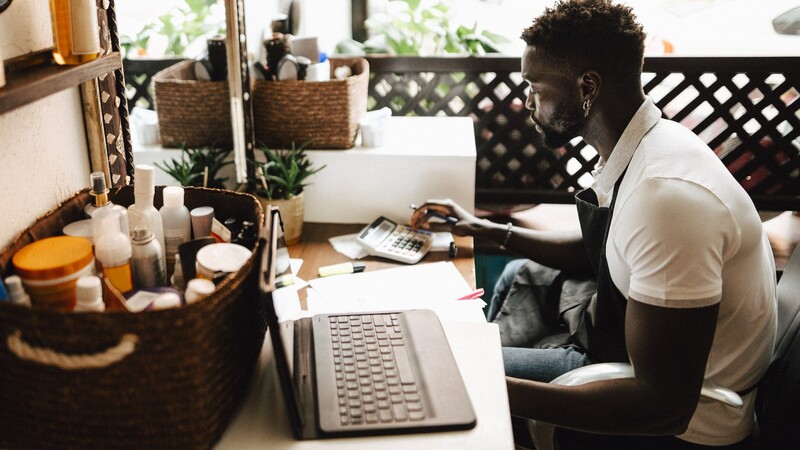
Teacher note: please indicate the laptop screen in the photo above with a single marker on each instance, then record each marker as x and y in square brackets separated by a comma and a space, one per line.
[274, 266]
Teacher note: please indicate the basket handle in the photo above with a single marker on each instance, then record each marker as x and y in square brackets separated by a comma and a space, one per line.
[46, 356]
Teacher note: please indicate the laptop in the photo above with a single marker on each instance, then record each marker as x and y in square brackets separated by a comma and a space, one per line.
[361, 374]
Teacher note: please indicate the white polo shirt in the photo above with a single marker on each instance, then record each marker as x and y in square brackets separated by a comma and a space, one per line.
[685, 234]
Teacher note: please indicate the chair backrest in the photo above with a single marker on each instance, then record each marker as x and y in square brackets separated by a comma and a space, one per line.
[778, 397]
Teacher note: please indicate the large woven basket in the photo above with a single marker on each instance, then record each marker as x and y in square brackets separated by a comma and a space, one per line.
[324, 114]
[181, 372]
[191, 113]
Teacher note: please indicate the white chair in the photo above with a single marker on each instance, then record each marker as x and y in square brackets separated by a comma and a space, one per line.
[543, 433]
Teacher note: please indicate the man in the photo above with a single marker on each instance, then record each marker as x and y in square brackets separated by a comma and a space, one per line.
[684, 265]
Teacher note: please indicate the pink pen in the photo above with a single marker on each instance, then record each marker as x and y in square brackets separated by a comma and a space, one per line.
[477, 293]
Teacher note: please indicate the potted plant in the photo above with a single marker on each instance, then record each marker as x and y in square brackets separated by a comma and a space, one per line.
[414, 27]
[280, 177]
[199, 167]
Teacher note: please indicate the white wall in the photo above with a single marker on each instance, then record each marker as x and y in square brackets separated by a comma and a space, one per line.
[43, 151]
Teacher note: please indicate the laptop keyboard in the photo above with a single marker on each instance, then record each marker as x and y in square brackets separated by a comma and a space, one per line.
[374, 379]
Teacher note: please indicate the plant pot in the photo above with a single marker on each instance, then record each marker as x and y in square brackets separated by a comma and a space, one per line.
[292, 211]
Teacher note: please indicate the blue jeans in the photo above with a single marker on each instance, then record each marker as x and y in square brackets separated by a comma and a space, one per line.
[539, 364]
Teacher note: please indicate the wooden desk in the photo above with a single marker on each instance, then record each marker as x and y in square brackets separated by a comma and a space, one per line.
[316, 251]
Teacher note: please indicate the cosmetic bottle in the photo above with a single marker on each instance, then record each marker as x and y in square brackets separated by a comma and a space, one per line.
[16, 292]
[76, 35]
[177, 223]
[2, 72]
[202, 219]
[147, 260]
[113, 250]
[142, 213]
[198, 289]
[89, 295]
[99, 194]
[176, 280]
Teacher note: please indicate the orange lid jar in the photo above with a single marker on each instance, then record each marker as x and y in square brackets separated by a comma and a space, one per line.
[50, 267]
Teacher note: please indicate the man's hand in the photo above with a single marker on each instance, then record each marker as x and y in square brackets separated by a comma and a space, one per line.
[467, 225]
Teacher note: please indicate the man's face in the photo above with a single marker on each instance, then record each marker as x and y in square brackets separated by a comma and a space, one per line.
[553, 98]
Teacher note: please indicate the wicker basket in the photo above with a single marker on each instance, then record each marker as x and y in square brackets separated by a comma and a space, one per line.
[191, 113]
[180, 374]
[324, 114]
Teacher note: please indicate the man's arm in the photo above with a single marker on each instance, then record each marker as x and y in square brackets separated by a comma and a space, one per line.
[563, 250]
[668, 348]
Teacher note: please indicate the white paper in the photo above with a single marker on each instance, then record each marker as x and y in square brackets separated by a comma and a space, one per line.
[434, 286]
[348, 246]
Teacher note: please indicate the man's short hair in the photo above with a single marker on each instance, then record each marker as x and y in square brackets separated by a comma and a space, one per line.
[591, 34]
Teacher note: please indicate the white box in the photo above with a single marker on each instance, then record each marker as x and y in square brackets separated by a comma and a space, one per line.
[422, 158]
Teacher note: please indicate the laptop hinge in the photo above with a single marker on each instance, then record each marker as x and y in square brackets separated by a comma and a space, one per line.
[304, 375]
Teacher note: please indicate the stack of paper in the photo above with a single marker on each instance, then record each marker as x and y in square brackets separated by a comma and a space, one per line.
[435, 286]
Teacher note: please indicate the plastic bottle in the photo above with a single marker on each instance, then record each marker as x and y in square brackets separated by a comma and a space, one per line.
[113, 250]
[89, 294]
[177, 223]
[2, 72]
[320, 71]
[99, 194]
[147, 260]
[176, 280]
[16, 292]
[142, 213]
[75, 31]
[197, 289]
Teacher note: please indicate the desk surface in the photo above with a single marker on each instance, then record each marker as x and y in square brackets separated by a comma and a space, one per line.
[315, 251]
[262, 421]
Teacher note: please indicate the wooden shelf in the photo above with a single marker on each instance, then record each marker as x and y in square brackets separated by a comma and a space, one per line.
[33, 83]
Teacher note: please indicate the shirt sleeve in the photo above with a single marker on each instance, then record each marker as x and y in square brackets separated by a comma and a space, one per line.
[675, 236]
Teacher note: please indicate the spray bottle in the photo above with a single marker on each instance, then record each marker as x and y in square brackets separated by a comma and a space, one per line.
[142, 213]
[99, 194]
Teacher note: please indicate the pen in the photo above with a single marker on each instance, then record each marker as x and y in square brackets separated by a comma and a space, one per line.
[340, 269]
[431, 213]
[477, 293]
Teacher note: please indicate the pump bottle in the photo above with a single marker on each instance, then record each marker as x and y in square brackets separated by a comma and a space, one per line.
[142, 213]
[113, 250]
[99, 194]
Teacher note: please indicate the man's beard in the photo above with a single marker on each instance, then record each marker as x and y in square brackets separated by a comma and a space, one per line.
[563, 126]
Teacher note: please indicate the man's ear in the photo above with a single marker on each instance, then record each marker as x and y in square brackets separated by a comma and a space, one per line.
[591, 84]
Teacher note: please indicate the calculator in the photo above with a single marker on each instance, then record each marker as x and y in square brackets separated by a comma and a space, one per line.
[391, 240]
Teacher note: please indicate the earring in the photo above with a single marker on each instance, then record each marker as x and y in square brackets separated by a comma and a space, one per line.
[587, 105]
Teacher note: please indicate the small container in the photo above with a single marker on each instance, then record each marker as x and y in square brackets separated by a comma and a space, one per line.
[2, 72]
[216, 261]
[16, 293]
[176, 279]
[89, 294]
[198, 289]
[113, 249]
[81, 228]
[202, 220]
[176, 221]
[49, 269]
[153, 299]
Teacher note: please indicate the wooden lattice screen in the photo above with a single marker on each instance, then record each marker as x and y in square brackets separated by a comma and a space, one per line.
[745, 108]
[138, 78]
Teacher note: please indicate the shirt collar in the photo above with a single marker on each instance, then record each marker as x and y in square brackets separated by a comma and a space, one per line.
[642, 122]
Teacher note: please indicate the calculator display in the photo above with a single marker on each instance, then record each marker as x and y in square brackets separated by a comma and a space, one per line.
[375, 235]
